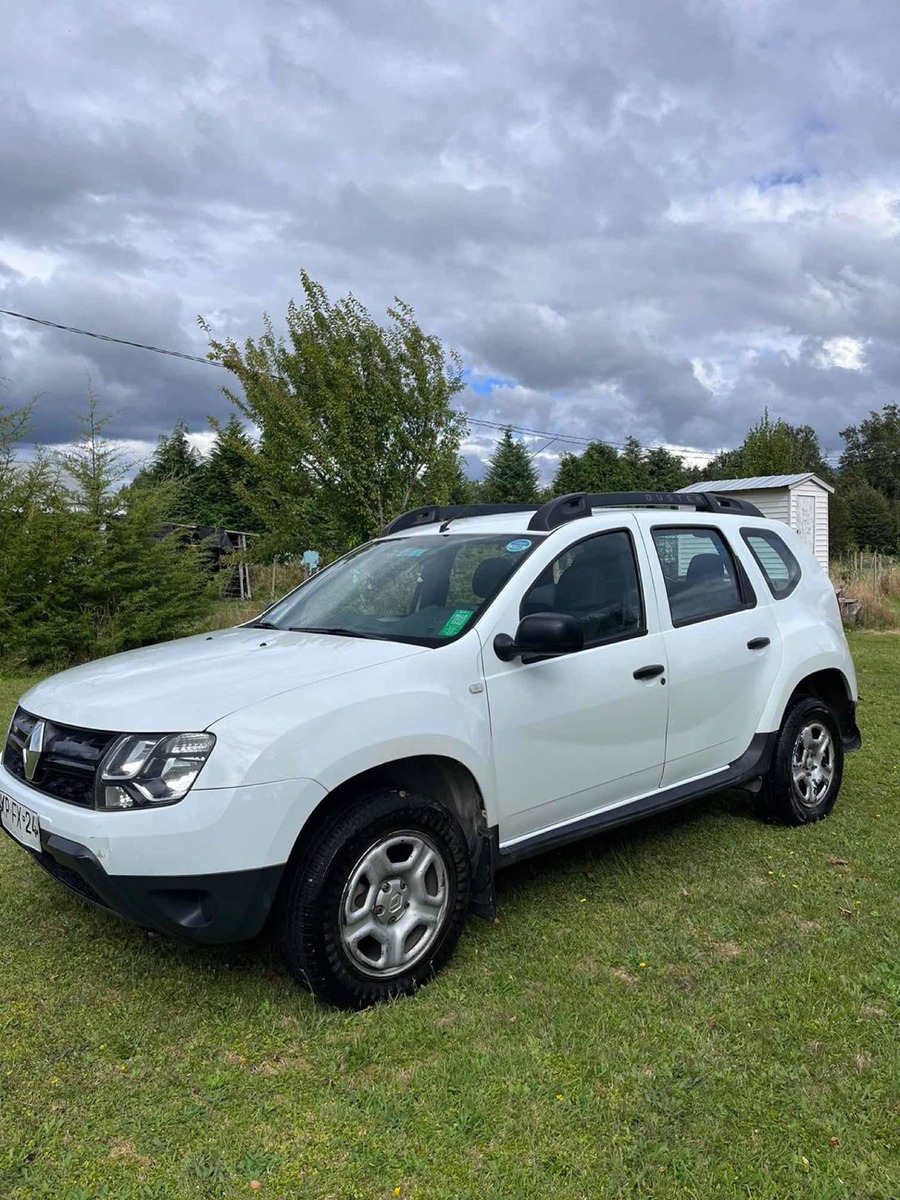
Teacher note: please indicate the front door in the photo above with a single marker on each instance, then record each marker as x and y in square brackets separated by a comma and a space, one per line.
[579, 733]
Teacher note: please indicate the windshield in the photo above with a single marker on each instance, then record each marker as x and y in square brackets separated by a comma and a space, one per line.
[426, 589]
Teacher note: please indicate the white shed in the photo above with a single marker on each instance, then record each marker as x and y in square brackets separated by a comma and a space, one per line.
[801, 501]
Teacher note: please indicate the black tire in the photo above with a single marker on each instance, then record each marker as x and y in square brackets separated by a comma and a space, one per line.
[782, 798]
[313, 932]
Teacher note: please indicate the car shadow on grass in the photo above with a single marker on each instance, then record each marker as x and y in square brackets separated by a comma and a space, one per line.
[121, 949]
[633, 842]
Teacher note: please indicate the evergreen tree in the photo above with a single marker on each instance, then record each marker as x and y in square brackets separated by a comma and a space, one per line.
[511, 477]
[175, 461]
[873, 521]
[872, 454]
[95, 465]
[664, 472]
[598, 469]
[228, 479]
[84, 566]
[633, 459]
[840, 532]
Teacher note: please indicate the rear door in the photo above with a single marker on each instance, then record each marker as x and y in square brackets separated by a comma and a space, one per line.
[723, 645]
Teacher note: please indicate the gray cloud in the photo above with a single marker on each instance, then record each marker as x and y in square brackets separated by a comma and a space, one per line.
[650, 219]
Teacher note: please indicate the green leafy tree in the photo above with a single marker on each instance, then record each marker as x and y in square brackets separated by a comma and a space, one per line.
[353, 417]
[772, 448]
[511, 477]
[448, 479]
[872, 452]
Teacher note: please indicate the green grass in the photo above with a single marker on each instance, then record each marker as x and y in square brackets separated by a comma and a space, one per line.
[698, 1006]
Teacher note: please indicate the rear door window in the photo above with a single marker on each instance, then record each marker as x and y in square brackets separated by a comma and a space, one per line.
[703, 579]
[778, 565]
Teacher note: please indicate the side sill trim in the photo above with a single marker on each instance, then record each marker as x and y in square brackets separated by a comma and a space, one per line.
[755, 761]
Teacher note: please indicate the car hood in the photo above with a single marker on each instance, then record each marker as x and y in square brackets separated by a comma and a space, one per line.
[187, 684]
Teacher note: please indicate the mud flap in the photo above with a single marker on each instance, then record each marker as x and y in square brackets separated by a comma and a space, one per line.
[482, 900]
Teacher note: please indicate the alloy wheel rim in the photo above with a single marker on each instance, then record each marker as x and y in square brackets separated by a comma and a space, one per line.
[393, 904]
[812, 764]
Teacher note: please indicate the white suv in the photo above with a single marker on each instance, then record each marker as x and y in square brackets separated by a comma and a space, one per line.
[476, 685]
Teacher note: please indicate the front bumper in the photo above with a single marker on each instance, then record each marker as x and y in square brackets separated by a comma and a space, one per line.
[206, 869]
[226, 907]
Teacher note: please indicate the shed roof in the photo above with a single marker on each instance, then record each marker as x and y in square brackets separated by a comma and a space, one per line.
[757, 483]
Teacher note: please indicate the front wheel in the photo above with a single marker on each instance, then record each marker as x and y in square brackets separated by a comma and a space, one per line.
[803, 782]
[375, 904]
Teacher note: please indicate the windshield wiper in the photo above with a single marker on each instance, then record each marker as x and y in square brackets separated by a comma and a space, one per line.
[262, 625]
[337, 629]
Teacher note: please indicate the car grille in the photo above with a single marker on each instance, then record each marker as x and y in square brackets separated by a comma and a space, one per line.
[68, 764]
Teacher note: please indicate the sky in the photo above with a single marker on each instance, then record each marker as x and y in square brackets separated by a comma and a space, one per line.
[648, 217]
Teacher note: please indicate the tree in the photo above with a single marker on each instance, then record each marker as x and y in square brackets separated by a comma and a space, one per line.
[95, 465]
[772, 448]
[227, 480]
[85, 567]
[664, 471]
[840, 531]
[352, 416]
[511, 477]
[598, 469]
[873, 521]
[872, 452]
[175, 461]
[448, 479]
[633, 459]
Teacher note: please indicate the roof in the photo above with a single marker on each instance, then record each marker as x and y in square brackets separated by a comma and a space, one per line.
[756, 483]
[516, 524]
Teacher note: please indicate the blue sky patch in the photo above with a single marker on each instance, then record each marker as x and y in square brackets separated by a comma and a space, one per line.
[784, 179]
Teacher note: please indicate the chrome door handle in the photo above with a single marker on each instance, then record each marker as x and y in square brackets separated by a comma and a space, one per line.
[649, 672]
[759, 643]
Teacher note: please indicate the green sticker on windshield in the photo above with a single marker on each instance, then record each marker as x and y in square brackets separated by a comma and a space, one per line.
[456, 622]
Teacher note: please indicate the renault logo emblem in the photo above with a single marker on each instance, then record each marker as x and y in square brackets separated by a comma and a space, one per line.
[34, 748]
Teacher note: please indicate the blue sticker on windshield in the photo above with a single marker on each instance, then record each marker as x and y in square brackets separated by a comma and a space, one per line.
[518, 545]
[414, 553]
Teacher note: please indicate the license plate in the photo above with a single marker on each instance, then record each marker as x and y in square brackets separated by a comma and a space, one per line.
[20, 821]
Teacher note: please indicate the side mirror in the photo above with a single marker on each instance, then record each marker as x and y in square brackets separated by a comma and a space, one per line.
[541, 635]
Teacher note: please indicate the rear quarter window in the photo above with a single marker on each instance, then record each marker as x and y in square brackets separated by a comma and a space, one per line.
[780, 569]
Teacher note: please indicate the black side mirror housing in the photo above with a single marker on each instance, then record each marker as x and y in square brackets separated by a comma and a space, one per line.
[541, 635]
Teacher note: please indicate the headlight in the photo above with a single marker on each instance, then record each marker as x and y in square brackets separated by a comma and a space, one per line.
[142, 771]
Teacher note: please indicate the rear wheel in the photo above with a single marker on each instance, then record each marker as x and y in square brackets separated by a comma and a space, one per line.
[803, 782]
[375, 904]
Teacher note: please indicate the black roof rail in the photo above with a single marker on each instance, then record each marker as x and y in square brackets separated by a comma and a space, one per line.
[432, 513]
[580, 504]
[561, 509]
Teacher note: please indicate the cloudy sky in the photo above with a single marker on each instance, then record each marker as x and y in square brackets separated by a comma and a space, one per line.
[630, 216]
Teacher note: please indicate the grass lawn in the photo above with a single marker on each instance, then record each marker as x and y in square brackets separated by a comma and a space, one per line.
[697, 1006]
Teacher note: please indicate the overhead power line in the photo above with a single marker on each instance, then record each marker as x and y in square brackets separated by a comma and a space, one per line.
[209, 362]
[579, 439]
[105, 337]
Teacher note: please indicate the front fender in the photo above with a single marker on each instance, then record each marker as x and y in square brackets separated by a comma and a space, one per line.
[333, 730]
